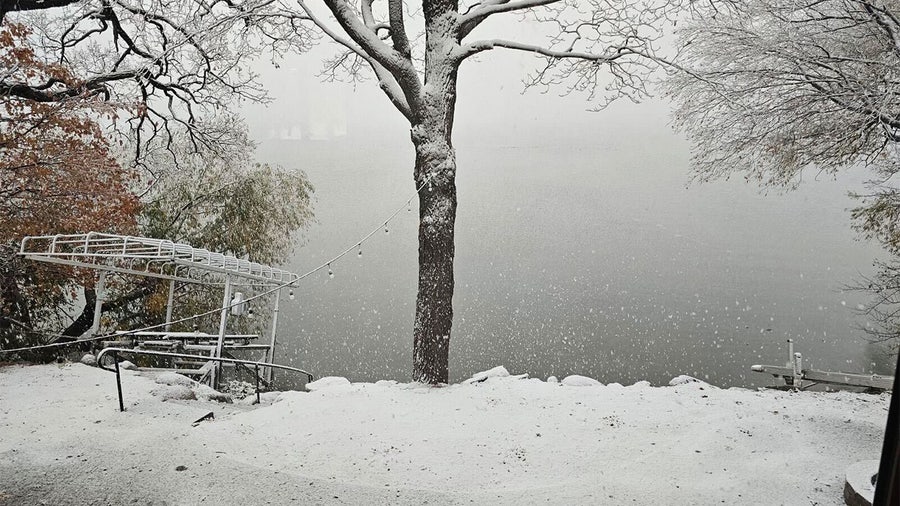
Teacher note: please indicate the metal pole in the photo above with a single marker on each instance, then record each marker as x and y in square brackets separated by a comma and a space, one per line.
[271, 355]
[256, 367]
[887, 487]
[798, 370]
[226, 305]
[118, 381]
[169, 305]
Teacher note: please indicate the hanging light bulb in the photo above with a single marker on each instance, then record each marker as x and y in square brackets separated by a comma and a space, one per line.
[359, 253]
[250, 312]
[386, 231]
[291, 294]
[330, 272]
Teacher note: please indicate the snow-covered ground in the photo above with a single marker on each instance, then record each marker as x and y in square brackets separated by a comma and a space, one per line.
[504, 440]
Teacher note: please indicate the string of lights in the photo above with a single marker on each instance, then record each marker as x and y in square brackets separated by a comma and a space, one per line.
[356, 246]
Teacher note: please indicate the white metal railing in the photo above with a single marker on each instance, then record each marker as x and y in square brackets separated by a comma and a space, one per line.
[146, 256]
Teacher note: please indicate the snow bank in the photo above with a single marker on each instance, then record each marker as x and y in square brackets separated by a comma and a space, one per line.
[498, 441]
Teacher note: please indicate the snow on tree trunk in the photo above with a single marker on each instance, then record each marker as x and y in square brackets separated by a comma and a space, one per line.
[436, 169]
[434, 301]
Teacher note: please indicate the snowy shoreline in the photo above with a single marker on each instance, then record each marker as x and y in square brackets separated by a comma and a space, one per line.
[501, 440]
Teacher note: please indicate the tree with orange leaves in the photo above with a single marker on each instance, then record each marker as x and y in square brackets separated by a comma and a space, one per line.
[57, 175]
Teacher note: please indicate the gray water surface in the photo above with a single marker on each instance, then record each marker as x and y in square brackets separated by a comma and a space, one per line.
[579, 257]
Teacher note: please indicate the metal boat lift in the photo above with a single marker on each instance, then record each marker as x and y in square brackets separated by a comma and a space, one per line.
[162, 259]
[795, 376]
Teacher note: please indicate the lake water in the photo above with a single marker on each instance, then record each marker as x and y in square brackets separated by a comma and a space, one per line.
[589, 257]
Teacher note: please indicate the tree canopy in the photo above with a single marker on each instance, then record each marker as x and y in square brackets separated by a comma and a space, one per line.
[87, 146]
[776, 87]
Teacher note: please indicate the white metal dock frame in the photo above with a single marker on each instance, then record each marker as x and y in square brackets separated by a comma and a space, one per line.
[159, 258]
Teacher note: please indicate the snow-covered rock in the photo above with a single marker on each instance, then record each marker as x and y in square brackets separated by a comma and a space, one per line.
[496, 372]
[552, 379]
[684, 379]
[264, 398]
[576, 380]
[173, 392]
[89, 359]
[125, 364]
[205, 393]
[173, 378]
[327, 382]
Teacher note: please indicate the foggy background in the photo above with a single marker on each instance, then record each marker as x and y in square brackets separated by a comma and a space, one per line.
[581, 247]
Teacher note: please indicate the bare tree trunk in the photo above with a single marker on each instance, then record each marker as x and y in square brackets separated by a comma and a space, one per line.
[85, 320]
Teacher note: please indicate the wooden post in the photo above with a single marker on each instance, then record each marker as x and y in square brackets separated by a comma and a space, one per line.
[798, 371]
[887, 487]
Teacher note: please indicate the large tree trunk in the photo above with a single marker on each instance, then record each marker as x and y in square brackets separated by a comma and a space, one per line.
[437, 216]
[86, 319]
[435, 168]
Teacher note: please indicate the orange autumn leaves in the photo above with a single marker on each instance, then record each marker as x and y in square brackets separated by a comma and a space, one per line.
[57, 171]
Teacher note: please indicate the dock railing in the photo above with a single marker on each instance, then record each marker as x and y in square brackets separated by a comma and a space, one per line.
[114, 352]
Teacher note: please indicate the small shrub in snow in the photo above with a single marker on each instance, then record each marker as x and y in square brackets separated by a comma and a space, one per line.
[89, 359]
[239, 389]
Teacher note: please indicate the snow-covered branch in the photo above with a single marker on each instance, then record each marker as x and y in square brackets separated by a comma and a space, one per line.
[475, 16]
[397, 75]
[485, 45]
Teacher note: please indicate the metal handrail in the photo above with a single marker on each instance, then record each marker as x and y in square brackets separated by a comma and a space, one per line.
[115, 354]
